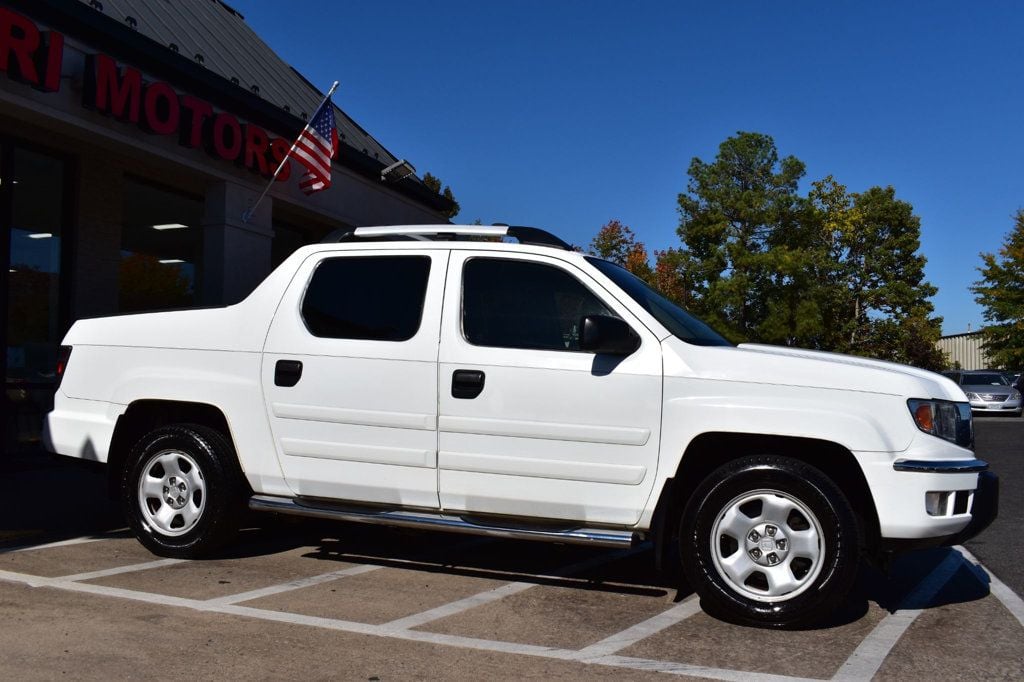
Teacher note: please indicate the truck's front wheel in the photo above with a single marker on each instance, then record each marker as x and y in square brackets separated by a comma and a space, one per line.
[180, 491]
[769, 541]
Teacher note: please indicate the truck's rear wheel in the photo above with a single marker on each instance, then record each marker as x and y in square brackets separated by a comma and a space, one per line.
[181, 492]
[769, 541]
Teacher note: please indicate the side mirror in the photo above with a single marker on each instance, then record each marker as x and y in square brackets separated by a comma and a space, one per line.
[607, 335]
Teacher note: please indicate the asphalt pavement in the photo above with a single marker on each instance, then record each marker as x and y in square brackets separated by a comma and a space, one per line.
[319, 600]
[1000, 442]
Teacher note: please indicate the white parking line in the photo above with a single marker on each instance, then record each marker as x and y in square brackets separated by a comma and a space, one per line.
[50, 545]
[382, 631]
[862, 664]
[868, 657]
[497, 593]
[1013, 603]
[643, 630]
[297, 584]
[103, 573]
[424, 617]
[674, 668]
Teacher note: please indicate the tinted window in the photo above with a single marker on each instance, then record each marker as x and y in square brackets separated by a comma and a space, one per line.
[378, 298]
[681, 323]
[984, 379]
[519, 304]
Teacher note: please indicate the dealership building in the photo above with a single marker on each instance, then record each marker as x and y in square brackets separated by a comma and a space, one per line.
[134, 137]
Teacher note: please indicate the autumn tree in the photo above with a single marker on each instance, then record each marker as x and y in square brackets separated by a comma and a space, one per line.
[1000, 291]
[617, 243]
[434, 183]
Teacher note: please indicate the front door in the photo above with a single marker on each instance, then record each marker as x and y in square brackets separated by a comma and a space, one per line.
[529, 425]
[350, 376]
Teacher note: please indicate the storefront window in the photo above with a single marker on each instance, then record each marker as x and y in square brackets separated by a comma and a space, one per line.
[290, 235]
[161, 248]
[34, 207]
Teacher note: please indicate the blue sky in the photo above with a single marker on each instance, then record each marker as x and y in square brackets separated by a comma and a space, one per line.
[567, 114]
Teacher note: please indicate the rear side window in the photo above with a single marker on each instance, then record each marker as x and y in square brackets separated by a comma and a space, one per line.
[520, 304]
[378, 298]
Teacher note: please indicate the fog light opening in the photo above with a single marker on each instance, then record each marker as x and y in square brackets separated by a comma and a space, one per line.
[936, 502]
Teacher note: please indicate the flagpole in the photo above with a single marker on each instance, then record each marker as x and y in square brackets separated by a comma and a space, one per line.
[248, 212]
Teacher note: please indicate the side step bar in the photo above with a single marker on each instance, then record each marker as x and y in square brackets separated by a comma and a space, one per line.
[455, 524]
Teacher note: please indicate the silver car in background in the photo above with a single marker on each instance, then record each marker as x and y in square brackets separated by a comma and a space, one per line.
[989, 391]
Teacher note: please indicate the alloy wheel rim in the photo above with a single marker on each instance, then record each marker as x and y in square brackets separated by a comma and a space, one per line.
[171, 492]
[767, 545]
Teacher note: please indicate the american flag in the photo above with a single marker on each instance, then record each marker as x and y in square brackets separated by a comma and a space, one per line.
[316, 146]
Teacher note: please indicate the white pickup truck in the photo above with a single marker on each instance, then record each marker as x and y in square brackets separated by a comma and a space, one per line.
[442, 377]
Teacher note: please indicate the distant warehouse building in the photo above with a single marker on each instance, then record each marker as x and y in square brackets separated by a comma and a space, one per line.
[964, 350]
[134, 134]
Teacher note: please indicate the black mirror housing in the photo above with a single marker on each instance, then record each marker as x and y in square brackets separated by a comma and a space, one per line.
[607, 335]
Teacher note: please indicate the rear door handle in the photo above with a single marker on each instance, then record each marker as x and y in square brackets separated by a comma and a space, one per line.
[287, 373]
[467, 383]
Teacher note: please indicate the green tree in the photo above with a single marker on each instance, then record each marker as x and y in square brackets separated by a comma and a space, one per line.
[834, 270]
[736, 213]
[617, 243]
[868, 276]
[434, 183]
[1000, 291]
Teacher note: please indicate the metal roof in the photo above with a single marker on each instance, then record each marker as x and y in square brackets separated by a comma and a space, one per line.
[231, 49]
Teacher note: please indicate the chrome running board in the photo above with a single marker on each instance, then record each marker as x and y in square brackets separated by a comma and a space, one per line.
[443, 522]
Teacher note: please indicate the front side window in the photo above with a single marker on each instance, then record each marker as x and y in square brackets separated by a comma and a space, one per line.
[376, 298]
[521, 304]
[679, 322]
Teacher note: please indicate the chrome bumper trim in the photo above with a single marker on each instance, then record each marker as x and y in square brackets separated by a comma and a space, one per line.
[955, 466]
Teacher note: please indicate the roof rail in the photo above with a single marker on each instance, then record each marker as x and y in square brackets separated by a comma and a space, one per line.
[524, 235]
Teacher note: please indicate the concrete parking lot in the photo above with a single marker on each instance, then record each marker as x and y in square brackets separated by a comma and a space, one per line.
[78, 597]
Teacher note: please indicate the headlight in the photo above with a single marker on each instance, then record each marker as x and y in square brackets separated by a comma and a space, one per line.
[1014, 395]
[945, 419]
[972, 396]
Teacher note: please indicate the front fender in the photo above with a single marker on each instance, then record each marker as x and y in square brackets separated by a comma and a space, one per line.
[856, 420]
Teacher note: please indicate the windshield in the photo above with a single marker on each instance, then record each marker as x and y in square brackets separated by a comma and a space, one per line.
[984, 380]
[681, 323]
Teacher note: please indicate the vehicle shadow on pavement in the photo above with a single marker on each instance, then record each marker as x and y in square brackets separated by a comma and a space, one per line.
[55, 499]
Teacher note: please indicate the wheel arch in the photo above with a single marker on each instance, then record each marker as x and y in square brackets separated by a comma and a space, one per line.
[142, 416]
[710, 450]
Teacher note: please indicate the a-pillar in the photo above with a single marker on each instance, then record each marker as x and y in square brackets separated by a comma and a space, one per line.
[236, 252]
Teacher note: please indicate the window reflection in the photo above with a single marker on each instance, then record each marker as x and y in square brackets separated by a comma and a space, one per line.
[35, 189]
[33, 303]
[161, 248]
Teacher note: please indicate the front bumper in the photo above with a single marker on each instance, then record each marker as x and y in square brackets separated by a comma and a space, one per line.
[927, 492]
[981, 406]
[984, 510]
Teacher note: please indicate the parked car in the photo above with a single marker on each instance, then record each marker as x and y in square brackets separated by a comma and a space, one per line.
[989, 391]
[424, 376]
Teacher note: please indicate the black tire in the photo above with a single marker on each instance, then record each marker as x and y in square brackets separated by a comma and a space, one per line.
[824, 583]
[219, 496]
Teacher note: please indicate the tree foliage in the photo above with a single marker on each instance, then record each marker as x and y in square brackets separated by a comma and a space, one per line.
[1000, 291]
[617, 243]
[434, 183]
[832, 270]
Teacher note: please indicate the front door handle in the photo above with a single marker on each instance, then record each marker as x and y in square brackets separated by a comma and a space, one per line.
[287, 373]
[467, 383]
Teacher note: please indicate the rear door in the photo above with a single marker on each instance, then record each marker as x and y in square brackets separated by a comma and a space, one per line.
[529, 425]
[350, 376]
